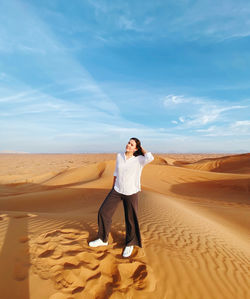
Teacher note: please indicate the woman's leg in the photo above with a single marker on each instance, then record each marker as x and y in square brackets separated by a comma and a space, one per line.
[133, 236]
[106, 212]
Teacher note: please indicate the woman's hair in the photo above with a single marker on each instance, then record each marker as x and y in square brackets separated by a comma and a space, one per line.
[138, 146]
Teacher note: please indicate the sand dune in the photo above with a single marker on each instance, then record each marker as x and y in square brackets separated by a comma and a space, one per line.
[194, 220]
[231, 164]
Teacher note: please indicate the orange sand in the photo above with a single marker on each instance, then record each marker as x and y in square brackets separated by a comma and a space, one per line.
[194, 219]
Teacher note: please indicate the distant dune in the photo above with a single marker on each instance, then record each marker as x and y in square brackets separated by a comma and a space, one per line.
[12, 152]
[231, 164]
[194, 216]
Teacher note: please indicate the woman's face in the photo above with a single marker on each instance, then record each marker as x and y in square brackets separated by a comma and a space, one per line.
[131, 146]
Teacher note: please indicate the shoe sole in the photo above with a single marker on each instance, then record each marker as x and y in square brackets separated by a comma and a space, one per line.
[98, 245]
[127, 255]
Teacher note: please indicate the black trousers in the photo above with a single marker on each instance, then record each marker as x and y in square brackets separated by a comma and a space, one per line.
[107, 209]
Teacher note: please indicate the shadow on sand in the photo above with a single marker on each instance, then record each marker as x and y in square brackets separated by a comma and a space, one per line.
[14, 260]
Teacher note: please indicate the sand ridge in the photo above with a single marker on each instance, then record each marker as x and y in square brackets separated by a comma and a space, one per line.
[228, 164]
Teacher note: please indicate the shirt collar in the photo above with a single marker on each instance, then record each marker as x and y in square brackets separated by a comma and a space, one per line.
[124, 156]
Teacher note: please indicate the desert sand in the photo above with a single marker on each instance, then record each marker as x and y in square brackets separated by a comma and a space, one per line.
[194, 215]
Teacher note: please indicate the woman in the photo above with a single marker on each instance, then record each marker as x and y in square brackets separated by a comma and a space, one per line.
[126, 186]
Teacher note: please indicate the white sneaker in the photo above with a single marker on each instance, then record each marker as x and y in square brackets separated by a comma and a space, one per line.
[98, 242]
[127, 251]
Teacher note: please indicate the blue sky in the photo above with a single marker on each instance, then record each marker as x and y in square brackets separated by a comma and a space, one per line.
[85, 76]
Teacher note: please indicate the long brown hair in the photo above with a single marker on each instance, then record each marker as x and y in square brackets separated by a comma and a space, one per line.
[138, 146]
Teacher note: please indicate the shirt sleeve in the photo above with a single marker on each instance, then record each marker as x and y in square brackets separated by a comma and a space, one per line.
[116, 166]
[147, 158]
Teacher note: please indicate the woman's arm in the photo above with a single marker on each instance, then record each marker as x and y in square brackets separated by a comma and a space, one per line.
[147, 158]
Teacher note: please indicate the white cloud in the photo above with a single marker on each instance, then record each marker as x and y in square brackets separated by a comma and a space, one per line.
[35, 101]
[25, 95]
[126, 23]
[201, 19]
[174, 99]
[210, 129]
[187, 20]
[242, 123]
[210, 113]
[238, 128]
[201, 112]
[27, 32]
[181, 119]
[241, 127]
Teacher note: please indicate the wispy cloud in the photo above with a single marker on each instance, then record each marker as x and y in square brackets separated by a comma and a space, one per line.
[188, 20]
[181, 119]
[210, 129]
[238, 128]
[89, 108]
[207, 117]
[127, 24]
[203, 110]
[171, 99]
[208, 114]
[29, 33]
[175, 100]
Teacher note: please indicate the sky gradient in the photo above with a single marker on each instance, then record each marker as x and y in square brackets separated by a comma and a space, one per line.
[85, 76]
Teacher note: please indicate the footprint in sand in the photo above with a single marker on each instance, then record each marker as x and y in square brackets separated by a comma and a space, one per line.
[24, 239]
[65, 257]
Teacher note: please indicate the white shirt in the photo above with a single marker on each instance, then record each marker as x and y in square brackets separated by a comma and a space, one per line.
[128, 172]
